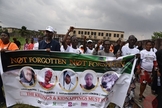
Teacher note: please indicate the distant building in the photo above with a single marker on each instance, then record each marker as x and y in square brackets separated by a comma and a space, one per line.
[42, 31]
[98, 34]
[16, 31]
[60, 36]
[10, 29]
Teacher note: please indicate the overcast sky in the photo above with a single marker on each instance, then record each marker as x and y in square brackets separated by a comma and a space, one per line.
[138, 17]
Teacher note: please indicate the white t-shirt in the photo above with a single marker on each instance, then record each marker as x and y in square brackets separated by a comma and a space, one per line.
[62, 48]
[36, 45]
[89, 51]
[147, 58]
[154, 50]
[101, 47]
[127, 51]
[72, 50]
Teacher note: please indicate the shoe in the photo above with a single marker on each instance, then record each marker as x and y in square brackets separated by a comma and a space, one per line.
[140, 99]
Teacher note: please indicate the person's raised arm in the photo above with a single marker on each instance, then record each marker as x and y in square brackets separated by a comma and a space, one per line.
[65, 37]
[84, 44]
[95, 51]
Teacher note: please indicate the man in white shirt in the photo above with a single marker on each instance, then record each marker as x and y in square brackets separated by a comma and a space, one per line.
[128, 50]
[106, 49]
[74, 43]
[88, 46]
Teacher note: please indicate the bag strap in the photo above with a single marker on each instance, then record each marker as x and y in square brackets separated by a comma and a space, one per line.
[8, 45]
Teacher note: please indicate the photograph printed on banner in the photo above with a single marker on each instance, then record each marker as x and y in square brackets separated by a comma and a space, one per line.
[68, 80]
[90, 81]
[27, 76]
[108, 80]
[47, 78]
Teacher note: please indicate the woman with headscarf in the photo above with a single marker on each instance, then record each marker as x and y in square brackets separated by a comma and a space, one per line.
[67, 83]
[27, 77]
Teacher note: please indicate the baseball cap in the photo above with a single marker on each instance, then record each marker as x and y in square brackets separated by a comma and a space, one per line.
[89, 41]
[80, 46]
[50, 29]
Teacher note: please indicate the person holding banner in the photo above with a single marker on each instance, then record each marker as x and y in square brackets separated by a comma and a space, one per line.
[67, 41]
[129, 49]
[49, 44]
[74, 42]
[106, 47]
[88, 46]
[5, 45]
[46, 84]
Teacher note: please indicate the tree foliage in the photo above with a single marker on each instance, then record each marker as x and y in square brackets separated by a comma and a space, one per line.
[157, 35]
[23, 31]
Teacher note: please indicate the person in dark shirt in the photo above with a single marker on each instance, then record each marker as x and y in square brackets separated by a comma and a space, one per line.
[17, 43]
[117, 47]
[159, 73]
[140, 46]
[49, 44]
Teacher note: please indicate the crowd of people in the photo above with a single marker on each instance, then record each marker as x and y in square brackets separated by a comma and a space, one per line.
[148, 64]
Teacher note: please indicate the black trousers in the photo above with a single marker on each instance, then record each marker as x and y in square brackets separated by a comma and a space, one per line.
[159, 97]
[2, 99]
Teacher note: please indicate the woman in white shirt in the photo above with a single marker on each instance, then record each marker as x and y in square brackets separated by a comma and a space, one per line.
[148, 60]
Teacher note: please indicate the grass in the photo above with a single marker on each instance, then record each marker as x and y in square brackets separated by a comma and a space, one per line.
[19, 106]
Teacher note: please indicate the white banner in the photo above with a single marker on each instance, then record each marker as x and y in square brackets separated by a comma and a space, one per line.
[26, 80]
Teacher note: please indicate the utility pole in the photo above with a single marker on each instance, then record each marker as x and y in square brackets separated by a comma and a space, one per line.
[1, 26]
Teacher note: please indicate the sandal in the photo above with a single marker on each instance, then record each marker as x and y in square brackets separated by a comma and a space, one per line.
[143, 97]
[140, 99]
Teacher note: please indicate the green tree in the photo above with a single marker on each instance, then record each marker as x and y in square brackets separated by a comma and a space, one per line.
[23, 31]
[157, 35]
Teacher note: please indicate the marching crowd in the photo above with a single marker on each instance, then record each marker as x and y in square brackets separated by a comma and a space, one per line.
[148, 67]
